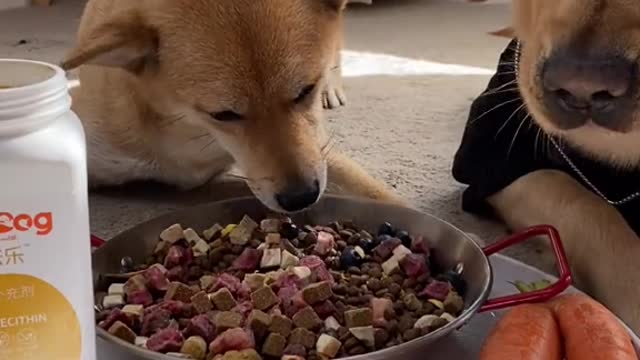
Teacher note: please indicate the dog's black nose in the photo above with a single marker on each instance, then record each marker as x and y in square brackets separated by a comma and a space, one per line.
[579, 87]
[299, 197]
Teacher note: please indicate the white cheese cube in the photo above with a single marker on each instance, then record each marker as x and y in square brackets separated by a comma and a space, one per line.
[212, 231]
[111, 301]
[191, 236]
[328, 346]
[288, 260]
[365, 334]
[201, 248]
[271, 258]
[116, 289]
[390, 266]
[425, 321]
[172, 234]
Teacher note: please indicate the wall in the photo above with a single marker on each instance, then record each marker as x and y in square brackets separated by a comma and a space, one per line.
[10, 4]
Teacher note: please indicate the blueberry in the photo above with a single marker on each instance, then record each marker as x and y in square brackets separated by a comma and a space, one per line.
[289, 231]
[383, 238]
[386, 229]
[405, 238]
[367, 244]
[350, 257]
[455, 280]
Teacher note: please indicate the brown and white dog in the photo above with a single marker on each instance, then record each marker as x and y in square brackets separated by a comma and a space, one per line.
[555, 139]
[178, 91]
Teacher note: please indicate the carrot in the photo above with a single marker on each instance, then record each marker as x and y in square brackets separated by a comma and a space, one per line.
[591, 331]
[526, 332]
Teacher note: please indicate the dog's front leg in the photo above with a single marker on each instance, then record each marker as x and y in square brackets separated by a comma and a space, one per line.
[333, 95]
[346, 177]
[602, 249]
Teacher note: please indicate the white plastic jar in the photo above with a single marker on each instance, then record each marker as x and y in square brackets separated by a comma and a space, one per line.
[46, 287]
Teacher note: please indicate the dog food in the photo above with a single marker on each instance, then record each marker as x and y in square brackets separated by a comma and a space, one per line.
[46, 287]
[277, 290]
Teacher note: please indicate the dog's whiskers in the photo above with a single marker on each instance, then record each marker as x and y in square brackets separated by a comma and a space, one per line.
[201, 136]
[513, 114]
[206, 146]
[494, 108]
[515, 136]
[501, 87]
[172, 119]
[506, 72]
[498, 92]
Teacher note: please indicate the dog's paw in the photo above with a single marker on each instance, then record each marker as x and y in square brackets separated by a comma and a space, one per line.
[333, 95]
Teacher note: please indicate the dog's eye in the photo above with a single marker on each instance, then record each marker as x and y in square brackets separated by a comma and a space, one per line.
[304, 93]
[226, 116]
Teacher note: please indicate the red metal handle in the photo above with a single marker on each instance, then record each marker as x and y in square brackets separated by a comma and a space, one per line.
[537, 296]
[96, 242]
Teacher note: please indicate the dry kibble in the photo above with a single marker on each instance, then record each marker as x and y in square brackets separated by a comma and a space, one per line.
[453, 303]
[179, 292]
[302, 336]
[263, 298]
[259, 322]
[123, 332]
[223, 300]
[255, 281]
[281, 324]
[317, 293]
[135, 311]
[207, 281]
[358, 317]
[227, 320]
[201, 302]
[307, 318]
[410, 334]
[195, 347]
[412, 303]
[274, 345]
[241, 234]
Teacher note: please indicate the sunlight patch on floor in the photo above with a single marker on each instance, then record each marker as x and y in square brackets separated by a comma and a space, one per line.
[356, 63]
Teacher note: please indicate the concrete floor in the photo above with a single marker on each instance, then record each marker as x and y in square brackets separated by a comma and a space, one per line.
[403, 122]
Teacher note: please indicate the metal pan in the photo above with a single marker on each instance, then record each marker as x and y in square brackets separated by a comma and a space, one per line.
[450, 245]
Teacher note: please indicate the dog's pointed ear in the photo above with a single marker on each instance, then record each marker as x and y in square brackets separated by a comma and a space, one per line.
[338, 5]
[122, 41]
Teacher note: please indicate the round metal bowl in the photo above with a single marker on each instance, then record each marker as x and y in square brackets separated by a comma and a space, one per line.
[451, 247]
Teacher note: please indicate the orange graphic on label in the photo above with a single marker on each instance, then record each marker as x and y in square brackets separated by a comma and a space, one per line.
[36, 320]
[42, 223]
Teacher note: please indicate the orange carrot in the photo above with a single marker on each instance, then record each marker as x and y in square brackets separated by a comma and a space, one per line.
[591, 331]
[526, 332]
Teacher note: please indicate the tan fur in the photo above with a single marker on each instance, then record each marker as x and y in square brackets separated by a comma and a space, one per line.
[154, 70]
[543, 25]
[602, 248]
